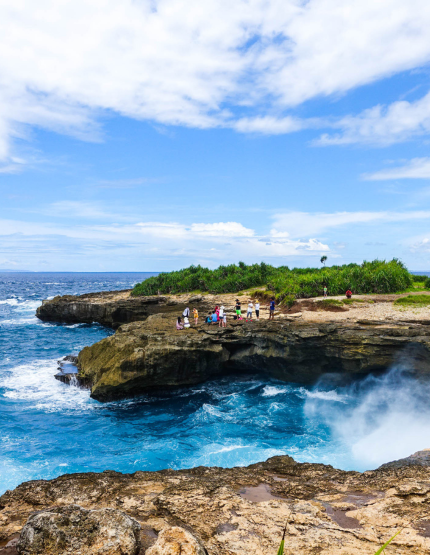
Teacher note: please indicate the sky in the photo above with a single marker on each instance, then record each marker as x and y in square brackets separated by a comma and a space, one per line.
[148, 135]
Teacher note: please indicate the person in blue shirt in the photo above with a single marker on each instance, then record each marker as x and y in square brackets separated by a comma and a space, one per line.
[272, 309]
[214, 317]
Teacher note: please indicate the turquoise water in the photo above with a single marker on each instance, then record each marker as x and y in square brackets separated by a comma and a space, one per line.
[49, 428]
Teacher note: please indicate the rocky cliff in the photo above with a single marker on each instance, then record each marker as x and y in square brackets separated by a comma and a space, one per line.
[145, 355]
[217, 511]
[113, 308]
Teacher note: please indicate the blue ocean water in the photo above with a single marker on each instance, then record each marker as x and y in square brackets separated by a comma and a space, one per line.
[48, 428]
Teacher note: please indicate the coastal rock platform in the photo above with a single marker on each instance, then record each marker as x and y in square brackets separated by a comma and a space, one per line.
[300, 345]
[217, 511]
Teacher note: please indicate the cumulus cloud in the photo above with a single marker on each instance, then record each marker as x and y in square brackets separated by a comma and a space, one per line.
[149, 241]
[299, 224]
[215, 63]
[382, 125]
[417, 168]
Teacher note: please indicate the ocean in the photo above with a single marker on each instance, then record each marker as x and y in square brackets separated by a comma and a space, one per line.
[48, 428]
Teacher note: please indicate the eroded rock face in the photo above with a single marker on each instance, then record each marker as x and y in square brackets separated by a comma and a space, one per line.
[176, 541]
[238, 511]
[145, 355]
[113, 308]
[72, 530]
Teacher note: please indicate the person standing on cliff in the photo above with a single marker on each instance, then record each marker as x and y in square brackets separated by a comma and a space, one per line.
[196, 316]
[272, 309]
[186, 313]
[325, 291]
[249, 311]
[257, 309]
[238, 309]
[221, 316]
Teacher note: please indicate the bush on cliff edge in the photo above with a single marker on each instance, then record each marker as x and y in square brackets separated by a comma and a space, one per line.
[378, 276]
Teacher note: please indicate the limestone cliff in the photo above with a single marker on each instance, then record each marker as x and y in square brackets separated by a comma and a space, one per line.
[144, 355]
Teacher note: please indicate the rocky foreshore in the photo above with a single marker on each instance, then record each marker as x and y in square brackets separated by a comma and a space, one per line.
[298, 346]
[217, 511]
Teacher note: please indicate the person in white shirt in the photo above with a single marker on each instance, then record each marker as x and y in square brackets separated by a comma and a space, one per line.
[249, 312]
[186, 313]
[186, 322]
[257, 309]
[221, 316]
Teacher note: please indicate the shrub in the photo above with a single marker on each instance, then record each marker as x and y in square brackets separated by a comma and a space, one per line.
[377, 276]
[427, 283]
[419, 279]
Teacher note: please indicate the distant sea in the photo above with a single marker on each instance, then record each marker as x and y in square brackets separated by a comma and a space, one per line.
[48, 428]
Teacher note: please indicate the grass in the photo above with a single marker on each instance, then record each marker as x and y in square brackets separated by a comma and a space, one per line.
[332, 302]
[379, 552]
[413, 301]
[378, 276]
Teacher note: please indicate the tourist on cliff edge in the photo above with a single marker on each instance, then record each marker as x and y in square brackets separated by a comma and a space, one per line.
[272, 309]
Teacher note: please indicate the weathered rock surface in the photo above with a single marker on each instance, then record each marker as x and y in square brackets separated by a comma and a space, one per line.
[145, 355]
[244, 510]
[176, 541]
[71, 529]
[112, 308]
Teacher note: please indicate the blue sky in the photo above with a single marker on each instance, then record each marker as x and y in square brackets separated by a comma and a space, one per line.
[139, 136]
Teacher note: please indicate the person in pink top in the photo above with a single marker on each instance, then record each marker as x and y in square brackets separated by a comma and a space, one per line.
[179, 325]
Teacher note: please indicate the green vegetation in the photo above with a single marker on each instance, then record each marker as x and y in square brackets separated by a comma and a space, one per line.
[287, 285]
[427, 283]
[281, 547]
[382, 549]
[352, 301]
[332, 302]
[413, 301]
[418, 279]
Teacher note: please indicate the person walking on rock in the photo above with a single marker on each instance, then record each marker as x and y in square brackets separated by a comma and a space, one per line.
[272, 309]
[257, 309]
[196, 316]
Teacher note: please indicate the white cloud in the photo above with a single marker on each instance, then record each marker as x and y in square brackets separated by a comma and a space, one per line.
[417, 168]
[382, 125]
[300, 224]
[221, 229]
[214, 243]
[64, 63]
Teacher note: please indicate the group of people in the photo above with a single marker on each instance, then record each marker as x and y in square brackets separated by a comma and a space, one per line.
[219, 314]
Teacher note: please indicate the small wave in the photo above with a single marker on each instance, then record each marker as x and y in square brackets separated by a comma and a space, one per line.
[332, 395]
[35, 383]
[20, 321]
[271, 390]
[10, 302]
